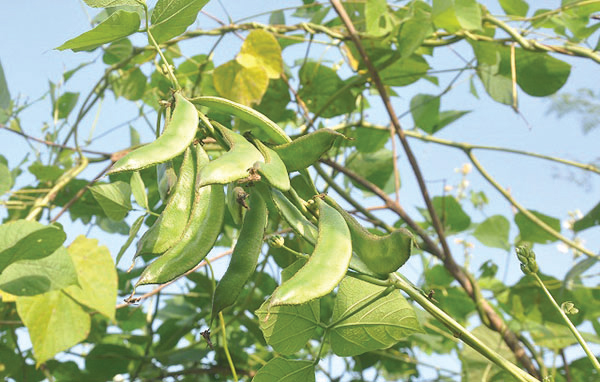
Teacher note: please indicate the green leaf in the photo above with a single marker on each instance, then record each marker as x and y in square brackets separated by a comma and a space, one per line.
[111, 3]
[468, 14]
[369, 325]
[107, 360]
[514, 7]
[240, 84]
[285, 370]
[27, 240]
[117, 51]
[45, 173]
[377, 17]
[31, 277]
[539, 74]
[413, 31]
[4, 93]
[493, 232]
[112, 226]
[6, 180]
[476, 367]
[377, 168]
[130, 84]
[114, 198]
[288, 328]
[447, 117]
[451, 214]
[405, 71]
[425, 110]
[135, 228]
[556, 336]
[97, 275]
[66, 103]
[139, 190]
[369, 140]
[261, 49]
[170, 18]
[531, 232]
[443, 15]
[592, 218]
[118, 25]
[320, 88]
[55, 322]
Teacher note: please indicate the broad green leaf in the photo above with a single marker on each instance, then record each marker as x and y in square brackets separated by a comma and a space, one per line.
[443, 15]
[85, 207]
[451, 214]
[118, 25]
[556, 336]
[240, 84]
[130, 85]
[413, 31]
[97, 275]
[111, 3]
[539, 74]
[405, 71]
[261, 49]
[170, 18]
[112, 226]
[27, 240]
[5, 179]
[4, 93]
[135, 228]
[531, 232]
[468, 14]
[514, 7]
[591, 219]
[288, 328]
[447, 117]
[377, 18]
[117, 51]
[425, 110]
[31, 277]
[496, 83]
[377, 168]
[476, 367]
[66, 103]
[114, 198]
[369, 140]
[322, 91]
[55, 322]
[139, 190]
[368, 324]
[493, 232]
[286, 370]
[107, 360]
[45, 173]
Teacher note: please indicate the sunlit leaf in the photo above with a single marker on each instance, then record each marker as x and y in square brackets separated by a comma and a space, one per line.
[591, 219]
[514, 7]
[284, 370]
[115, 198]
[451, 214]
[493, 232]
[531, 232]
[240, 84]
[262, 50]
[170, 18]
[139, 190]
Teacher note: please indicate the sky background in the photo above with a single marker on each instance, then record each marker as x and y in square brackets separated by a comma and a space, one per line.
[31, 29]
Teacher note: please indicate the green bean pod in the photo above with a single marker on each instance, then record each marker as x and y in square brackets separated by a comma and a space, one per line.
[244, 257]
[326, 266]
[173, 141]
[294, 218]
[232, 165]
[273, 169]
[200, 233]
[246, 114]
[306, 150]
[168, 228]
[381, 254]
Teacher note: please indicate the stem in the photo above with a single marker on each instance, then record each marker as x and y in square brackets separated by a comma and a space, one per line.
[524, 211]
[463, 333]
[229, 360]
[40, 203]
[168, 68]
[572, 327]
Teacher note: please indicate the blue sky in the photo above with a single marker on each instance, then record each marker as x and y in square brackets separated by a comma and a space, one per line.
[31, 29]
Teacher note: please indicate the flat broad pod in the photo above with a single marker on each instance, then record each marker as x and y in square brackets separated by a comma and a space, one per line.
[200, 233]
[306, 150]
[326, 266]
[173, 141]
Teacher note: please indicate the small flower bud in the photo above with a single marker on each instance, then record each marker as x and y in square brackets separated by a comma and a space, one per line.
[527, 258]
[276, 241]
[569, 308]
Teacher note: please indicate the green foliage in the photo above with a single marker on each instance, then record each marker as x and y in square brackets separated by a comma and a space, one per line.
[295, 98]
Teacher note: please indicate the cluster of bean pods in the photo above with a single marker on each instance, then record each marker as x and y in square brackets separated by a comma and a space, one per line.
[256, 176]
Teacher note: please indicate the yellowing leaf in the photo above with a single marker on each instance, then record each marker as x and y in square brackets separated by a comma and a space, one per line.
[241, 84]
[55, 323]
[7, 297]
[260, 49]
[97, 276]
